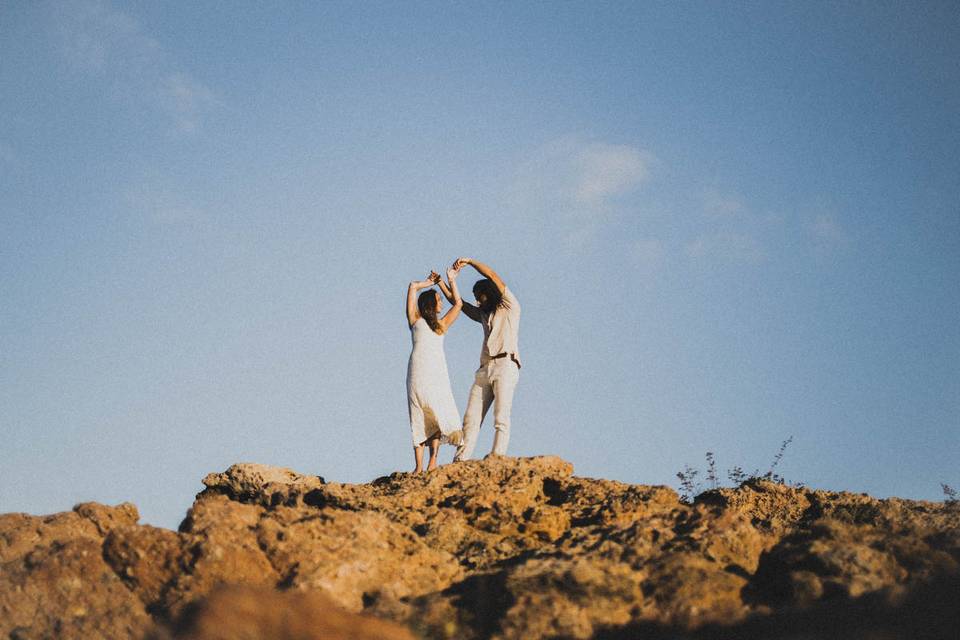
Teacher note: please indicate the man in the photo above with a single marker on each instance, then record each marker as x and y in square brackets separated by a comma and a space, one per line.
[498, 311]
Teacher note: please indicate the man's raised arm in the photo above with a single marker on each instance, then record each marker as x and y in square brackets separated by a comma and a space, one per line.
[483, 270]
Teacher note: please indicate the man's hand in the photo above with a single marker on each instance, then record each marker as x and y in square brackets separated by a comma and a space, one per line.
[434, 277]
[483, 270]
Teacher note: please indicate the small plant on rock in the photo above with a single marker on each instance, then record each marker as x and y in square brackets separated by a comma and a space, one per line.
[690, 488]
[737, 475]
[949, 494]
[712, 471]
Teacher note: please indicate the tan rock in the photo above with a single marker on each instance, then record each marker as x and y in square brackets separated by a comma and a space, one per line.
[238, 613]
[687, 590]
[260, 483]
[607, 502]
[105, 518]
[773, 508]
[147, 558]
[219, 546]
[20, 533]
[726, 537]
[355, 557]
[569, 598]
[66, 590]
[835, 559]
[503, 547]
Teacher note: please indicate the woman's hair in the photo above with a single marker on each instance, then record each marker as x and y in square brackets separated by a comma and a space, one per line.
[427, 304]
[488, 289]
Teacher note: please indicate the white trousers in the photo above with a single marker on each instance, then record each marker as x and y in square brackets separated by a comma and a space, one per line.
[493, 383]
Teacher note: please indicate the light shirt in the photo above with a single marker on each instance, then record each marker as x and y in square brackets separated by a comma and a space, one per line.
[501, 329]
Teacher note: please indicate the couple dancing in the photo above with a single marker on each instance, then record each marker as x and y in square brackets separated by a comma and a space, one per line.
[434, 417]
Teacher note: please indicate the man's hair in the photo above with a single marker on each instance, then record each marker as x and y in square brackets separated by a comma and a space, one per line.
[488, 289]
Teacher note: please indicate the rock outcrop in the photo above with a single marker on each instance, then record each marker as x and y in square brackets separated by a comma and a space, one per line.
[501, 548]
[55, 582]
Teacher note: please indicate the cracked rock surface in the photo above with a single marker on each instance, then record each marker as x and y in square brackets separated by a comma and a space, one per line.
[504, 548]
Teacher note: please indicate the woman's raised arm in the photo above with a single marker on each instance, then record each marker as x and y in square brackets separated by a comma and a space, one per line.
[413, 314]
[454, 297]
[444, 289]
[471, 311]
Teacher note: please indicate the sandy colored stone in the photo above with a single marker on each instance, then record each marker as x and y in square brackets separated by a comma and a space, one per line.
[687, 590]
[835, 559]
[355, 556]
[66, 590]
[20, 532]
[148, 559]
[247, 613]
[262, 484]
[569, 598]
[219, 543]
[497, 548]
[773, 508]
[106, 518]
[482, 511]
[728, 538]
[608, 502]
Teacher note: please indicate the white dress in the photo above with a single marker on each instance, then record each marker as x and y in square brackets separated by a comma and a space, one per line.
[432, 407]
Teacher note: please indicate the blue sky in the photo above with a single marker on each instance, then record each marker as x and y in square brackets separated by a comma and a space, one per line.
[728, 223]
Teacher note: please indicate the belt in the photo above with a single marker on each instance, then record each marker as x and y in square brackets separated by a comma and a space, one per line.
[504, 355]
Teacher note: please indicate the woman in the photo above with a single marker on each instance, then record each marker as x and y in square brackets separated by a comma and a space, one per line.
[434, 417]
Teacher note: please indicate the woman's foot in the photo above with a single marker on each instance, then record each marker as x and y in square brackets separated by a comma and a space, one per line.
[434, 443]
[418, 458]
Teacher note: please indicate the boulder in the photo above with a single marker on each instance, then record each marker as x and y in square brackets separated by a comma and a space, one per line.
[238, 613]
[54, 581]
[354, 556]
[148, 559]
[219, 546]
[66, 590]
[260, 483]
[20, 533]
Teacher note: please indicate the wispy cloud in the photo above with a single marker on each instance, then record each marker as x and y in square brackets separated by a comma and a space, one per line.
[728, 247]
[96, 37]
[826, 232]
[163, 206]
[7, 155]
[101, 40]
[722, 204]
[648, 255]
[188, 100]
[576, 186]
[573, 177]
[604, 171]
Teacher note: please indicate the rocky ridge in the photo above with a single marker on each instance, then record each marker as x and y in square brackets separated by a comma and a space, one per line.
[501, 548]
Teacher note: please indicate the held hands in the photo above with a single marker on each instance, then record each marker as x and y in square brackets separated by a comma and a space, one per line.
[452, 272]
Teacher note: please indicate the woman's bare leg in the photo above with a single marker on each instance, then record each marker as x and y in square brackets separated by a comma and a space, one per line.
[434, 450]
[418, 456]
